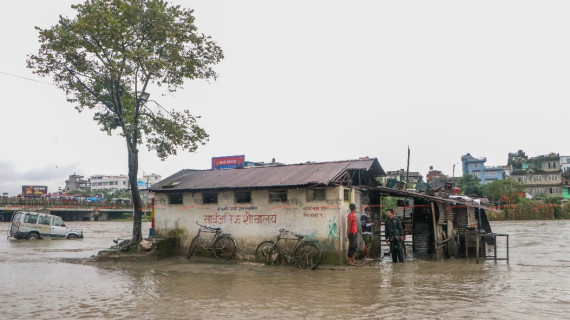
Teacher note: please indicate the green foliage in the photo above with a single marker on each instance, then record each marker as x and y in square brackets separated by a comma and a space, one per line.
[113, 50]
[503, 190]
[470, 185]
[110, 53]
[80, 193]
[388, 203]
[175, 233]
[564, 212]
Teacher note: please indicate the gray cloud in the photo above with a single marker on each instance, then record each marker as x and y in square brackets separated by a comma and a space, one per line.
[53, 176]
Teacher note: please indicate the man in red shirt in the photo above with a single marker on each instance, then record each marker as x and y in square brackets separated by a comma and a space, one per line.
[352, 233]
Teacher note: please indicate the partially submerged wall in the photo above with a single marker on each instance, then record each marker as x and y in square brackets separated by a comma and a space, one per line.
[321, 221]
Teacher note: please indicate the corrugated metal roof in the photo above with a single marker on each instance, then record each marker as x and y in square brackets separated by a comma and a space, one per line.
[266, 177]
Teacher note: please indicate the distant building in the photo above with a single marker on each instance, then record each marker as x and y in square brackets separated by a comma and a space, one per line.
[476, 167]
[76, 182]
[399, 176]
[112, 183]
[435, 174]
[251, 164]
[121, 182]
[151, 179]
[438, 181]
[565, 185]
[565, 163]
[539, 175]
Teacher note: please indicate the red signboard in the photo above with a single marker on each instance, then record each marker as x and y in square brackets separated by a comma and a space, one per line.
[231, 162]
[34, 191]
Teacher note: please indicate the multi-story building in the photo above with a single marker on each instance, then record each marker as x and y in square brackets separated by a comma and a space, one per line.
[121, 182]
[150, 179]
[539, 175]
[476, 167]
[400, 176]
[76, 182]
[112, 183]
[565, 163]
[565, 185]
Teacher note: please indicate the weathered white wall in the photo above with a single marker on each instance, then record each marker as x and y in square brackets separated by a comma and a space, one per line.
[251, 223]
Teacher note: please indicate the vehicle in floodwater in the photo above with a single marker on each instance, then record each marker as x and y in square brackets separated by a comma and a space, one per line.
[36, 225]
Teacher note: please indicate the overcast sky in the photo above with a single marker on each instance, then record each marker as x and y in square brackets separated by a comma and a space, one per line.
[317, 81]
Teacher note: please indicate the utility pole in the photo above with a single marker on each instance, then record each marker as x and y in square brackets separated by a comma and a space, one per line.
[407, 169]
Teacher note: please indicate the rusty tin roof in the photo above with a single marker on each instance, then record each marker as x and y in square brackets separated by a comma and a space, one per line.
[284, 176]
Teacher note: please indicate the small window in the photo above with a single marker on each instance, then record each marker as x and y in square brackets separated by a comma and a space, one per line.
[175, 198]
[316, 194]
[277, 195]
[209, 197]
[243, 196]
[45, 220]
[31, 218]
[58, 222]
[347, 195]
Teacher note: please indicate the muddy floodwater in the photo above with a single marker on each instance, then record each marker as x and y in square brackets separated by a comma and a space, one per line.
[38, 282]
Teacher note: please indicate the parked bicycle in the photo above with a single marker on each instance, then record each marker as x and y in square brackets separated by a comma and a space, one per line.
[304, 254]
[223, 245]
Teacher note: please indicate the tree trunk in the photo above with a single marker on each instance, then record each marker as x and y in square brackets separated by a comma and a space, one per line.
[133, 173]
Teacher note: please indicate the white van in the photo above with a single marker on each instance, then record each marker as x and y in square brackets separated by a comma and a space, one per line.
[37, 225]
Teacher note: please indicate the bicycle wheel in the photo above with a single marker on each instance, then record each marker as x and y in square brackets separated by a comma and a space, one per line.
[267, 252]
[224, 248]
[193, 246]
[307, 256]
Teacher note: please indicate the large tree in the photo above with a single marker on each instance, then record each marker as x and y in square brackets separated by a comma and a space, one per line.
[110, 53]
[507, 190]
[470, 185]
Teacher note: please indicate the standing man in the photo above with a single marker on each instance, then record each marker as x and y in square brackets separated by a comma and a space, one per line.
[351, 231]
[395, 236]
[366, 225]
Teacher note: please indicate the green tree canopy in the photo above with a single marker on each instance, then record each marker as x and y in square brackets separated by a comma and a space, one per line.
[470, 185]
[503, 190]
[107, 57]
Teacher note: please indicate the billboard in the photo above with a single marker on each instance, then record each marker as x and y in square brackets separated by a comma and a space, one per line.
[34, 191]
[230, 162]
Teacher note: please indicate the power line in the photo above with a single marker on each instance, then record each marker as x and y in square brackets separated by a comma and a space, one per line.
[29, 79]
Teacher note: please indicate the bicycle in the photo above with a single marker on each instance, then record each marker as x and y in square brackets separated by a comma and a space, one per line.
[304, 254]
[223, 245]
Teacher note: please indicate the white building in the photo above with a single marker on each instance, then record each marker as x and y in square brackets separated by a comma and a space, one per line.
[565, 163]
[121, 182]
[113, 183]
[150, 179]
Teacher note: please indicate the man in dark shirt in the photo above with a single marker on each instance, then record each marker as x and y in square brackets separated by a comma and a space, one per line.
[366, 227]
[395, 236]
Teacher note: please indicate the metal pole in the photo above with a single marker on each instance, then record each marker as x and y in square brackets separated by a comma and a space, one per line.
[495, 246]
[477, 247]
[507, 249]
[407, 169]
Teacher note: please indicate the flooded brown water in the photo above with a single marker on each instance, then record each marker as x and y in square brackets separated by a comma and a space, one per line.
[36, 283]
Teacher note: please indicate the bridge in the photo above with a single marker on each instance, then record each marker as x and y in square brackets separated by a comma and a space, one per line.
[69, 210]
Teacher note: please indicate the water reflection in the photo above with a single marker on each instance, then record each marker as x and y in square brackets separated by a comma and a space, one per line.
[37, 283]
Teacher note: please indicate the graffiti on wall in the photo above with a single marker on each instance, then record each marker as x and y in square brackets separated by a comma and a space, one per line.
[316, 212]
[237, 208]
[246, 218]
[333, 229]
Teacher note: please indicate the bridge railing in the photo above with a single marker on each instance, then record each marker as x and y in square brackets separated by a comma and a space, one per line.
[38, 202]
